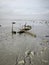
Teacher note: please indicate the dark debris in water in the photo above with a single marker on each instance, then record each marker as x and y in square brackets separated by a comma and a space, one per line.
[21, 31]
[0, 25]
[13, 32]
[47, 36]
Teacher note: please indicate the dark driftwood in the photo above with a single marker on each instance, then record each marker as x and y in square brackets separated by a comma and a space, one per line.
[21, 31]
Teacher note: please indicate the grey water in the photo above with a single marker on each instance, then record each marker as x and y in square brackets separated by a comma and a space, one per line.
[16, 45]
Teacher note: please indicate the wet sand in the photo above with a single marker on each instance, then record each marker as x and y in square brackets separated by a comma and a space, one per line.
[12, 46]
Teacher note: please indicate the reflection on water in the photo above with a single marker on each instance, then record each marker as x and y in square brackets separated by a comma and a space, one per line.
[12, 46]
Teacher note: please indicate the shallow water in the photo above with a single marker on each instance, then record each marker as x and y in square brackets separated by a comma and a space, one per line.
[16, 45]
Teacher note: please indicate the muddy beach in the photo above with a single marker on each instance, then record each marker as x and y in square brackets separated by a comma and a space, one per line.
[17, 46]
